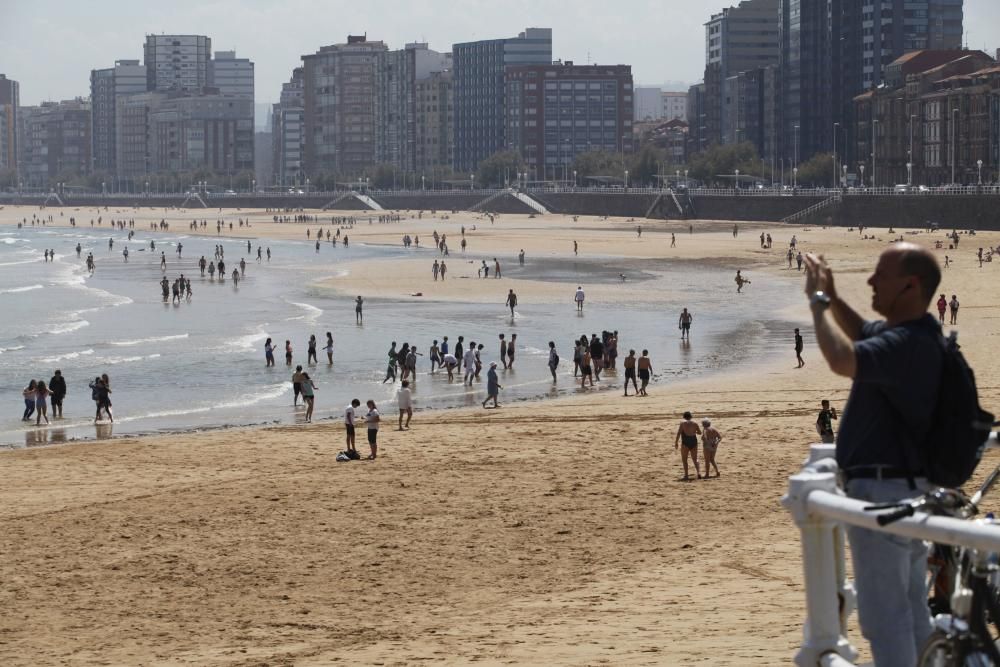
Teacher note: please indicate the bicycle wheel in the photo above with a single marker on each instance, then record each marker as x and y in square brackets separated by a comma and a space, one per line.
[944, 650]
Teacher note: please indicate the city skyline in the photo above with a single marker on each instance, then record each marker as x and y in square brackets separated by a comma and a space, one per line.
[663, 36]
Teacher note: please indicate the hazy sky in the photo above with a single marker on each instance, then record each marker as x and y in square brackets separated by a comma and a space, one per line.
[50, 46]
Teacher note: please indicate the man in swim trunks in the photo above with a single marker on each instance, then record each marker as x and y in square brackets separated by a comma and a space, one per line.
[630, 371]
[687, 435]
[684, 324]
[297, 384]
[645, 371]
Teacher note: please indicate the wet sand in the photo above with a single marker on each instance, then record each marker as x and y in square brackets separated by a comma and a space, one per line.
[542, 533]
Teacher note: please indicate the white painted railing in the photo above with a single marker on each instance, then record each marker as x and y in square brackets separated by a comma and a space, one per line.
[820, 510]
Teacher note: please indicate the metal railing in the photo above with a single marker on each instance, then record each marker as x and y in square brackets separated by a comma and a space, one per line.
[820, 509]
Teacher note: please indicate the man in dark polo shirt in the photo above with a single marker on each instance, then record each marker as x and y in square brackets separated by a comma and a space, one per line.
[895, 365]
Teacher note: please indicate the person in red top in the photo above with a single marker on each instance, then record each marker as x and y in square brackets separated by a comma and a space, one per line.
[942, 305]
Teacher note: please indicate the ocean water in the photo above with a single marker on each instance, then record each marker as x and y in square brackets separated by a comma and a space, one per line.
[199, 364]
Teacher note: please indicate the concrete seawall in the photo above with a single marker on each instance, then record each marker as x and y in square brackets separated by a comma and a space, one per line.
[959, 211]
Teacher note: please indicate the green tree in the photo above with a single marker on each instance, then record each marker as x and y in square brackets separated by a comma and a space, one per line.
[495, 170]
[817, 171]
[598, 163]
[644, 166]
[723, 161]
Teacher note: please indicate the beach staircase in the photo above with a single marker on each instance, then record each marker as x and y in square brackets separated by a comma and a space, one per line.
[194, 197]
[530, 202]
[478, 206]
[819, 206]
[53, 197]
[654, 206]
[368, 201]
[336, 200]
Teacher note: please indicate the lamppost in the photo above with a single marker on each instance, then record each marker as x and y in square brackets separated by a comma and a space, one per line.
[626, 179]
[910, 152]
[796, 145]
[795, 178]
[909, 173]
[862, 175]
[835, 126]
[737, 179]
[954, 120]
[874, 123]
[979, 164]
[422, 183]
[104, 188]
[472, 181]
[843, 179]
[677, 177]
[574, 179]
[685, 178]
[253, 186]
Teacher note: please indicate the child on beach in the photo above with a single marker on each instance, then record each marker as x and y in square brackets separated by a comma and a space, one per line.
[372, 419]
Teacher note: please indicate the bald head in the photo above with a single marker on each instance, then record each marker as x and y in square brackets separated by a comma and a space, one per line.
[918, 262]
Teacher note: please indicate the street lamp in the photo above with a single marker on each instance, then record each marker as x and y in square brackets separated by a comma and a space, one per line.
[910, 154]
[574, 179]
[954, 120]
[862, 175]
[796, 145]
[874, 124]
[626, 179]
[677, 177]
[795, 178]
[843, 180]
[421, 182]
[979, 164]
[909, 173]
[737, 179]
[835, 126]
[685, 178]
[472, 181]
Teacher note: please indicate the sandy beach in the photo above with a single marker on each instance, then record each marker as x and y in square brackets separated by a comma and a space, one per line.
[548, 533]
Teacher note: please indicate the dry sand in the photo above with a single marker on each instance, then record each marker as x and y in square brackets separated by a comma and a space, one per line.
[554, 533]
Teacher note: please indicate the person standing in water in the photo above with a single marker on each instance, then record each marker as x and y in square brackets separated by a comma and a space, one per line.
[268, 354]
[329, 347]
[311, 352]
[358, 315]
[307, 387]
[511, 301]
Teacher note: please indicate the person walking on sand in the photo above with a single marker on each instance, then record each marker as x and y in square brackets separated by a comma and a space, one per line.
[434, 270]
[57, 385]
[687, 435]
[350, 417]
[492, 386]
[444, 269]
[629, 364]
[496, 268]
[372, 419]
[953, 308]
[798, 349]
[942, 305]
[575, 247]
[710, 440]
[578, 297]
[511, 301]
[307, 386]
[673, 240]
[358, 315]
[404, 400]
[684, 324]
[645, 365]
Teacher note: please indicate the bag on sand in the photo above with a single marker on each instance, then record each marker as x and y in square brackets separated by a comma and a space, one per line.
[343, 456]
[954, 443]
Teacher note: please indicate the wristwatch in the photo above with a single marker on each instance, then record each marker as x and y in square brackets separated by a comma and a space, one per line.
[821, 298]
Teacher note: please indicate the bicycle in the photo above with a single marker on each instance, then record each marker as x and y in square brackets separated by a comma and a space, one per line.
[965, 583]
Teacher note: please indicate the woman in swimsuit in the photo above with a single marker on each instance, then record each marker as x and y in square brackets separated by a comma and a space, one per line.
[687, 435]
[710, 445]
[268, 353]
[329, 347]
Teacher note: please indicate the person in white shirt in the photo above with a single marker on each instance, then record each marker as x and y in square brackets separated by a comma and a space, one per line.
[579, 298]
[469, 361]
[405, 402]
[450, 363]
[349, 416]
[372, 419]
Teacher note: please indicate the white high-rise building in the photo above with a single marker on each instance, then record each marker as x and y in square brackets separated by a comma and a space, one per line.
[177, 62]
[675, 105]
[231, 75]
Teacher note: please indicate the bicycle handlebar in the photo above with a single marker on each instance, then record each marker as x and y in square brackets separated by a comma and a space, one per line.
[892, 517]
